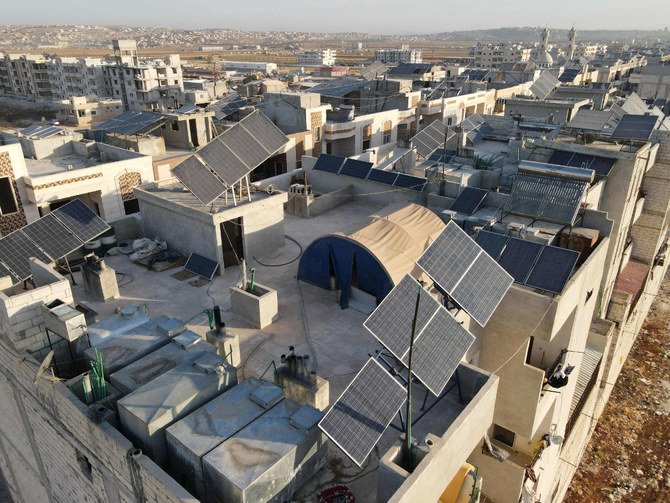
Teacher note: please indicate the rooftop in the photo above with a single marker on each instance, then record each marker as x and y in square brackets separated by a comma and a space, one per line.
[340, 342]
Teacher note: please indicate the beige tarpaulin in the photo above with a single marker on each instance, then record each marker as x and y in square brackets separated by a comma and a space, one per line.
[397, 236]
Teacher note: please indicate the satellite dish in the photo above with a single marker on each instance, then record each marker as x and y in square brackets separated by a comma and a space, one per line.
[45, 365]
[556, 439]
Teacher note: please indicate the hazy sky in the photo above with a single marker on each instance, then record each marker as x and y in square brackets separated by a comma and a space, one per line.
[374, 16]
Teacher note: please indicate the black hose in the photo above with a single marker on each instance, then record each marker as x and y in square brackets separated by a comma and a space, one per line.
[286, 263]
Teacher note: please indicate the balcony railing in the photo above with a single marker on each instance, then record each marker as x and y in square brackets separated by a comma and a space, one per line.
[582, 400]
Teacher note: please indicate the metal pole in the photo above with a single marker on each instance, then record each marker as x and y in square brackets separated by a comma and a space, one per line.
[408, 415]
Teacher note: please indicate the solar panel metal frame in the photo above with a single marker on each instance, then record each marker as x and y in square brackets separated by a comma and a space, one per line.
[469, 200]
[41, 132]
[635, 127]
[52, 237]
[391, 322]
[329, 163]
[454, 258]
[549, 198]
[429, 138]
[410, 182]
[438, 350]
[381, 176]
[81, 220]
[601, 165]
[356, 168]
[248, 149]
[15, 250]
[518, 258]
[199, 179]
[492, 243]
[197, 264]
[129, 123]
[552, 269]
[358, 418]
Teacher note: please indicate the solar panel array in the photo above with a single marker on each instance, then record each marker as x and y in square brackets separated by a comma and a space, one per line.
[186, 109]
[569, 75]
[358, 418]
[48, 239]
[467, 274]
[41, 132]
[376, 69]
[129, 123]
[201, 265]
[539, 266]
[430, 138]
[475, 128]
[469, 200]
[549, 198]
[230, 157]
[364, 171]
[442, 155]
[601, 165]
[635, 127]
[590, 120]
[544, 85]
[227, 105]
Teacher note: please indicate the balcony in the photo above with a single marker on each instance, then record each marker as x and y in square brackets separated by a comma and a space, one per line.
[338, 130]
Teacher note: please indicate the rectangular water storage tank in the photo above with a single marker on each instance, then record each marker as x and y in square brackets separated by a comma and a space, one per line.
[268, 460]
[127, 318]
[183, 348]
[131, 345]
[147, 411]
[208, 427]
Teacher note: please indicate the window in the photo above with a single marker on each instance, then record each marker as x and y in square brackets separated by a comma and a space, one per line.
[366, 144]
[503, 435]
[131, 206]
[175, 126]
[387, 137]
[7, 199]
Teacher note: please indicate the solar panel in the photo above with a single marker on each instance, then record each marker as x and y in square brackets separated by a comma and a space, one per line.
[441, 155]
[130, 123]
[476, 128]
[601, 165]
[491, 242]
[469, 200]
[202, 183]
[569, 75]
[462, 269]
[549, 198]
[81, 221]
[482, 288]
[4, 271]
[41, 132]
[227, 105]
[439, 350]
[544, 85]
[374, 70]
[357, 420]
[186, 109]
[409, 182]
[429, 138]
[356, 168]
[590, 120]
[52, 237]
[391, 321]
[223, 161]
[201, 265]
[329, 163]
[15, 250]
[380, 176]
[518, 258]
[264, 131]
[552, 269]
[242, 148]
[635, 127]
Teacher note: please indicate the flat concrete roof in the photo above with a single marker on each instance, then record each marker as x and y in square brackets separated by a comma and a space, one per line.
[58, 164]
[341, 343]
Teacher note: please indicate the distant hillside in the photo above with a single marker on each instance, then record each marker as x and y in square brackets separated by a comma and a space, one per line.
[530, 34]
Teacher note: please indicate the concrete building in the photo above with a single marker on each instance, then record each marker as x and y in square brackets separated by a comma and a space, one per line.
[81, 111]
[49, 172]
[493, 55]
[249, 67]
[651, 82]
[398, 56]
[317, 57]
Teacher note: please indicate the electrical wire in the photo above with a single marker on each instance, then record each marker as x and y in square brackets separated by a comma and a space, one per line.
[285, 263]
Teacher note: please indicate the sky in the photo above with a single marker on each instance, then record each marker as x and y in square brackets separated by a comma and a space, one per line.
[370, 16]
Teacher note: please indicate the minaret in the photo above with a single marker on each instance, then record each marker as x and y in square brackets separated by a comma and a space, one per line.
[545, 40]
[571, 38]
